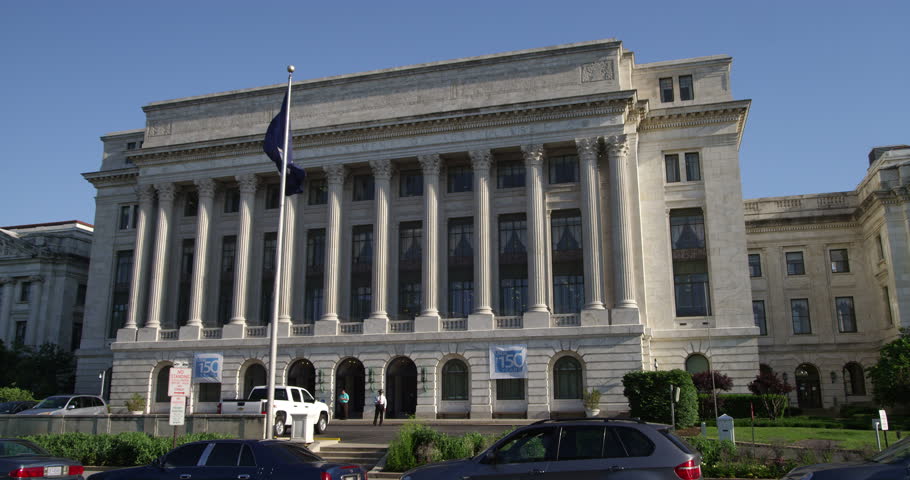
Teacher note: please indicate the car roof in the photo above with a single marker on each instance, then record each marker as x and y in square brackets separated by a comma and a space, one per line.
[600, 420]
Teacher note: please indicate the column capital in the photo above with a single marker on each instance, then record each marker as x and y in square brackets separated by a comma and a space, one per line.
[588, 148]
[146, 193]
[35, 279]
[166, 191]
[248, 182]
[205, 186]
[429, 163]
[382, 169]
[335, 173]
[481, 159]
[533, 154]
[618, 145]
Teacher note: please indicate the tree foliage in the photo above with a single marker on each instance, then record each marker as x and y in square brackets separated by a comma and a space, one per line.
[649, 396]
[890, 376]
[703, 384]
[773, 392]
[44, 371]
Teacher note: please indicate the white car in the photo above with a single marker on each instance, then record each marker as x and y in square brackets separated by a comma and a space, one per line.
[288, 401]
[68, 405]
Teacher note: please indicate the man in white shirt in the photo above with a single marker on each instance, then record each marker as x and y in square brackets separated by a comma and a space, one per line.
[379, 402]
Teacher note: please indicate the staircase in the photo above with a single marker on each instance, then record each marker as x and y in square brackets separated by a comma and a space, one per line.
[363, 454]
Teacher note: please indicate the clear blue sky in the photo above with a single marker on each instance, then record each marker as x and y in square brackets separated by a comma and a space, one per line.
[828, 80]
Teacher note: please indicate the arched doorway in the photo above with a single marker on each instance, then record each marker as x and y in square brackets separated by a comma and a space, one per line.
[350, 377]
[808, 387]
[302, 374]
[697, 363]
[401, 388]
[255, 376]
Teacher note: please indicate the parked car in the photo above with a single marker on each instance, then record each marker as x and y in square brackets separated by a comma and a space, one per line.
[24, 459]
[892, 462]
[12, 408]
[68, 405]
[239, 459]
[579, 449]
[288, 401]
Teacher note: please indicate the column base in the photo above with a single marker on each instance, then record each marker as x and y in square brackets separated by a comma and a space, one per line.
[480, 321]
[234, 330]
[625, 316]
[325, 327]
[376, 325]
[591, 318]
[189, 332]
[284, 328]
[147, 334]
[538, 411]
[429, 323]
[482, 412]
[536, 319]
[127, 334]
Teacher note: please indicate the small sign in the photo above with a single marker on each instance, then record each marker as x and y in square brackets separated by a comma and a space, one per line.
[178, 411]
[508, 361]
[179, 382]
[884, 418]
[207, 367]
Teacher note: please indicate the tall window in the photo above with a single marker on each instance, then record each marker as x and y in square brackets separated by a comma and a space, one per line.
[318, 192]
[510, 389]
[563, 169]
[691, 287]
[187, 252]
[567, 379]
[568, 293]
[513, 233]
[666, 89]
[840, 263]
[461, 267]
[510, 174]
[799, 312]
[687, 229]
[162, 382]
[232, 200]
[411, 183]
[795, 265]
[754, 265]
[758, 314]
[693, 167]
[513, 296]
[410, 252]
[854, 379]
[362, 243]
[313, 294]
[272, 196]
[513, 265]
[25, 292]
[226, 278]
[120, 298]
[364, 188]
[461, 239]
[566, 231]
[361, 301]
[315, 249]
[21, 328]
[362, 265]
[455, 380]
[459, 179]
[128, 215]
[267, 297]
[686, 87]
[191, 204]
[671, 164]
[568, 266]
[846, 315]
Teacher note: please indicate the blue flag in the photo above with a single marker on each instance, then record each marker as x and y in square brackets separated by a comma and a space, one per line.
[273, 144]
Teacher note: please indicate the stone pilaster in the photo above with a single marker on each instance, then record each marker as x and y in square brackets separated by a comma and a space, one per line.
[430, 287]
[538, 313]
[379, 318]
[482, 316]
[590, 216]
[248, 185]
[137, 284]
[6, 305]
[618, 146]
[166, 194]
[33, 332]
[286, 299]
[328, 324]
[206, 191]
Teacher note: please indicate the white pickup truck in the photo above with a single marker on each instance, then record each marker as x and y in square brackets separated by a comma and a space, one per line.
[288, 401]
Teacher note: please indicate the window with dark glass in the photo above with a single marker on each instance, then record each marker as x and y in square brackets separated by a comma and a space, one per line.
[409, 298]
[686, 87]
[162, 381]
[840, 263]
[410, 239]
[21, 327]
[128, 216]
[567, 379]
[25, 292]
[568, 293]
[361, 300]
[455, 380]
[513, 265]
[459, 178]
[272, 196]
[563, 169]
[267, 295]
[671, 165]
[185, 456]
[691, 289]
[513, 296]
[76, 337]
[209, 392]
[795, 265]
[758, 315]
[532, 445]
[513, 232]
[410, 251]
[187, 251]
[461, 297]
[120, 296]
[693, 167]
[232, 200]
[318, 192]
[510, 174]
[315, 260]
[697, 363]
[191, 204]
[846, 315]
[315, 248]
[361, 266]
[461, 267]
[568, 266]
[510, 389]
[687, 229]
[226, 278]
[579, 442]
[461, 240]
[364, 187]
[799, 312]
[754, 265]
[362, 243]
[313, 302]
[666, 89]
[410, 183]
[223, 455]
[854, 379]
[130, 145]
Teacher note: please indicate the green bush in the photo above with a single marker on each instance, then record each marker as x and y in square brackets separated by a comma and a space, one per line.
[851, 410]
[649, 396]
[736, 405]
[120, 450]
[720, 459]
[13, 394]
[417, 444]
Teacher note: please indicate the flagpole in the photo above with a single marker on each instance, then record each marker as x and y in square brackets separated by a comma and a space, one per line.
[276, 294]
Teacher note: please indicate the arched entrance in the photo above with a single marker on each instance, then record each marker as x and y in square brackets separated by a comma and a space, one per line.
[254, 376]
[302, 374]
[808, 387]
[350, 377]
[401, 388]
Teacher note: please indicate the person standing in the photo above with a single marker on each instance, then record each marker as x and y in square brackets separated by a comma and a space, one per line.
[379, 402]
[343, 399]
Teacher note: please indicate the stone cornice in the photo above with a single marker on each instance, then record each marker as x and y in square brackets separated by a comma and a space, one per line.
[112, 178]
[772, 227]
[684, 117]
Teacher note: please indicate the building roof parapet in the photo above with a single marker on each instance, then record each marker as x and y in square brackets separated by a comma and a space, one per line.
[109, 178]
[696, 61]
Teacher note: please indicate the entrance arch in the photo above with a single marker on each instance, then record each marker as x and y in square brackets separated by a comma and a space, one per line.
[401, 388]
[255, 376]
[808, 387]
[350, 377]
[303, 374]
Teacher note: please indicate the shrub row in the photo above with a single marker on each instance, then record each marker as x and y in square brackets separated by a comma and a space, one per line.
[649, 396]
[120, 450]
[13, 394]
[416, 444]
[720, 459]
[737, 405]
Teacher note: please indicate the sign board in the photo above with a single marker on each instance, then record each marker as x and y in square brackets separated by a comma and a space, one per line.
[508, 361]
[179, 382]
[207, 367]
[884, 418]
[178, 411]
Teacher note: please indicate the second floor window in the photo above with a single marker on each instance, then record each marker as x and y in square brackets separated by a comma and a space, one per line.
[693, 167]
[461, 238]
[513, 233]
[232, 200]
[272, 196]
[460, 179]
[795, 265]
[687, 229]
[315, 247]
[666, 89]
[318, 192]
[364, 188]
[690, 281]
[226, 278]
[846, 315]
[191, 204]
[799, 313]
[411, 184]
[128, 216]
[120, 296]
[754, 265]
[563, 169]
[566, 231]
[840, 263]
[25, 292]
[410, 239]
[686, 87]
[510, 174]
[362, 242]
[671, 163]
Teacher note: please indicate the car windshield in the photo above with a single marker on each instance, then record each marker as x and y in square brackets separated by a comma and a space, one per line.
[17, 448]
[53, 402]
[897, 452]
[263, 393]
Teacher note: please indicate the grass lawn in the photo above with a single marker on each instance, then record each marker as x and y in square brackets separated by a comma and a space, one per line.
[849, 439]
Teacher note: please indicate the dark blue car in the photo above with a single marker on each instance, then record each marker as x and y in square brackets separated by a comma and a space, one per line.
[238, 460]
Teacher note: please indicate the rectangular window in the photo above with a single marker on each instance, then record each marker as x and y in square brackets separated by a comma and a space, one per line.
[409, 297]
[510, 174]
[187, 252]
[568, 293]
[267, 295]
[25, 292]
[687, 229]
[563, 169]
[226, 278]
[461, 240]
[364, 188]
[128, 215]
[130, 145]
[693, 167]
[513, 296]
[513, 233]
[692, 292]
[795, 265]
[459, 179]
[754, 265]
[120, 297]
[565, 228]
[20, 332]
[510, 389]
[362, 245]
[666, 89]
[758, 314]
[272, 196]
[840, 262]
[410, 252]
[191, 204]
[313, 302]
[846, 315]
[410, 183]
[318, 193]
[361, 302]
[461, 297]
[410, 240]
[671, 163]
[232, 200]
[361, 266]
[315, 249]
[799, 312]
[686, 88]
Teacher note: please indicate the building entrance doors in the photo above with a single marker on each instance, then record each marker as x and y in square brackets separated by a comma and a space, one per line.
[401, 391]
[808, 387]
[302, 374]
[350, 377]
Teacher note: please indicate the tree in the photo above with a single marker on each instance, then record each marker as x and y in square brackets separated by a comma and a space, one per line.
[703, 383]
[45, 371]
[772, 391]
[890, 376]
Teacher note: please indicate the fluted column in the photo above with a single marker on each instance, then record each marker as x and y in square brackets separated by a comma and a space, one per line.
[480, 162]
[335, 175]
[206, 191]
[137, 285]
[430, 166]
[618, 146]
[6, 304]
[382, 174]
[534, 156]
[285, 301]
[248, 185]
[166, 194]
[590, 216]
[32, 333]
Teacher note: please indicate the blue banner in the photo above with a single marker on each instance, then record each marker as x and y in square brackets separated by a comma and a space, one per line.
[508, 361]
[207, 367]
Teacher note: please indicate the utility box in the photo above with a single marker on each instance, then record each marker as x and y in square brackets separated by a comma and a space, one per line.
[301, 428]
[725, 428]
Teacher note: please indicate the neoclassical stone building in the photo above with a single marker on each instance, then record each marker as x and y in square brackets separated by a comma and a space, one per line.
[564, 199]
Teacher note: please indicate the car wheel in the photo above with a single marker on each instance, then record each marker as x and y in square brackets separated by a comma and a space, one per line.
[322, 424]
[279, 426]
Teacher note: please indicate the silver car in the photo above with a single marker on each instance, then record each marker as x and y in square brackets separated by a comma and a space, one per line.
[68, 405]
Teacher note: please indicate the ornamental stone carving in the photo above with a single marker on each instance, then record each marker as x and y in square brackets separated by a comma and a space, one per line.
[146, 193]
[205, 186]
[587, 148]
[618, 145]
[248, 182]
[335, 173]
[533, 154]
[166, 192]
[597, 71]
[429, 163]
[382, 169]
[481, 159]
